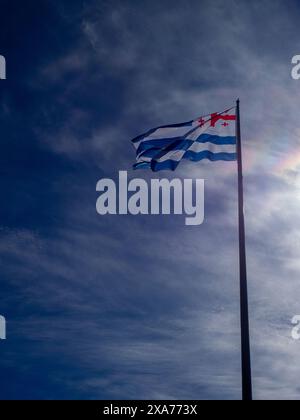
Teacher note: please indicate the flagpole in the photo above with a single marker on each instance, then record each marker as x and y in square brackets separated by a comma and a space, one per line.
[245, 334]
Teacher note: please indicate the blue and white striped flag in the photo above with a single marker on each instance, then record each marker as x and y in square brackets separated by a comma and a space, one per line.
[212, 137]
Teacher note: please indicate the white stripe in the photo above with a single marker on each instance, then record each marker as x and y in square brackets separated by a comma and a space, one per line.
[214, 148]
[167, 133]
[143, 159]
[219, 130]
[175, 155]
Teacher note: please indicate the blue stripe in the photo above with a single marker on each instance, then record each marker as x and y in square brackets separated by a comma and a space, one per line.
[142, 136]
[192, 156]
[156, 144]
[206, 154]
[219, 140]
[160, 144]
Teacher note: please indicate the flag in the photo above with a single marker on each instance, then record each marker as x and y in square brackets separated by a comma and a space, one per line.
[211, 137]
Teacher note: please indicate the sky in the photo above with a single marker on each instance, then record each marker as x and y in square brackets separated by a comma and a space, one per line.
[144, 307]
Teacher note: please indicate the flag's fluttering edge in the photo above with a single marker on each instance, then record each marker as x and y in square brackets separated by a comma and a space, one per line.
[211, 137]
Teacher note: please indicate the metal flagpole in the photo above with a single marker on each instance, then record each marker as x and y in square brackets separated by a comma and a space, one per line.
[245, 335]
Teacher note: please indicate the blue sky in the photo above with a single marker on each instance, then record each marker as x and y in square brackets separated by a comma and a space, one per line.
[145, 307]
